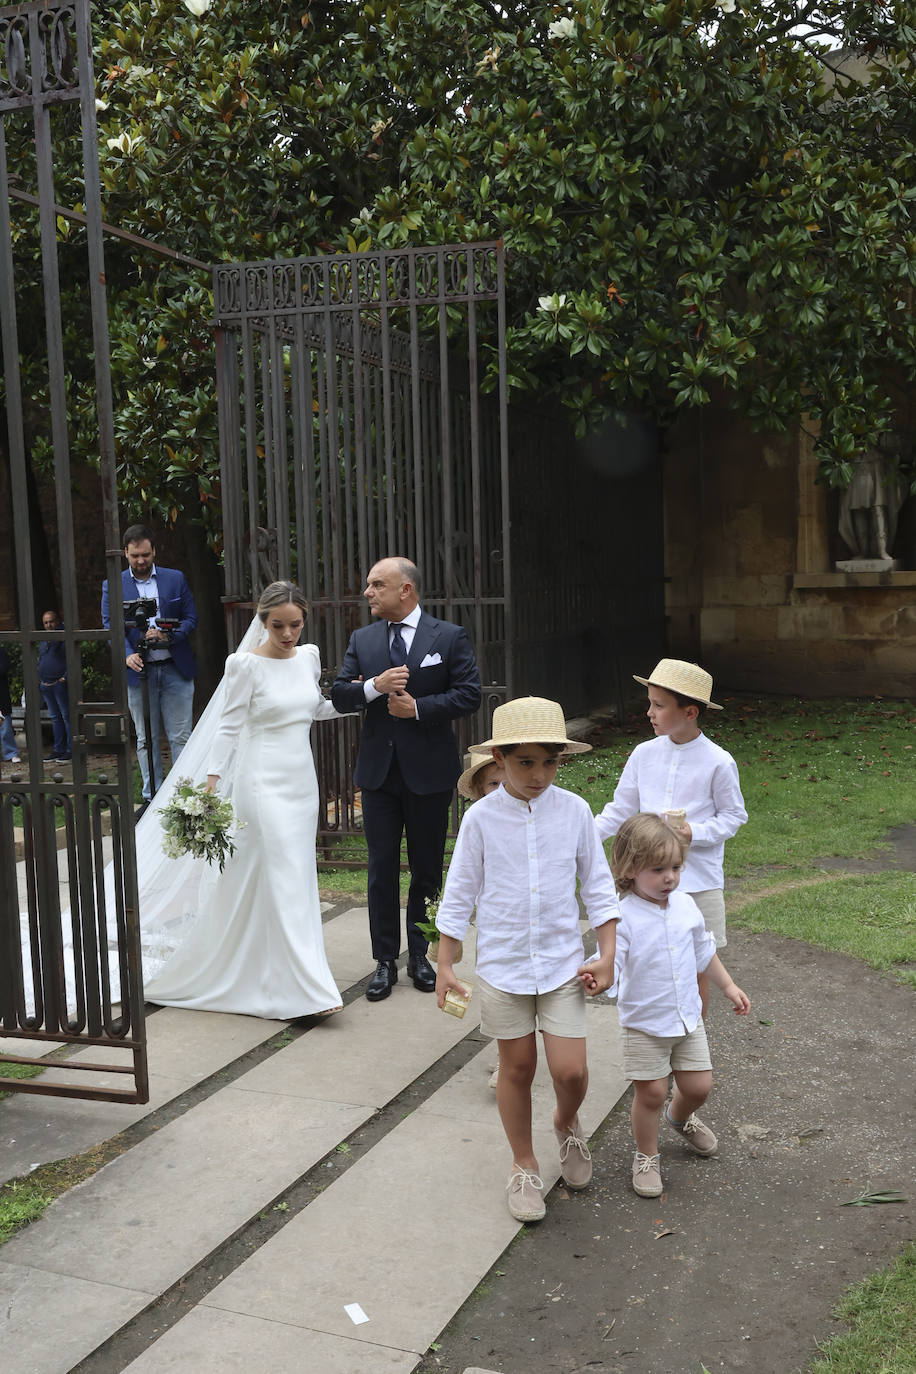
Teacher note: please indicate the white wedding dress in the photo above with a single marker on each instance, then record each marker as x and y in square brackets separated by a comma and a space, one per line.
[249, 939]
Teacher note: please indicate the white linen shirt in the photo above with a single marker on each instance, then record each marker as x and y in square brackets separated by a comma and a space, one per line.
[518, 862]
[699, 776]
[658, 954]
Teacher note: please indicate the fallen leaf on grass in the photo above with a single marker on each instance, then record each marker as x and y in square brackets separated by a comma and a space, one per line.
[870, 1199]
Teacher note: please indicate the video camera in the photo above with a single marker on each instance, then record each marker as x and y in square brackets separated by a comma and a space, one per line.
[139, 613]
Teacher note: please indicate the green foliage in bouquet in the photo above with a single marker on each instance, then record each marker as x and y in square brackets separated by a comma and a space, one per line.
[198, 822]
[428, 928]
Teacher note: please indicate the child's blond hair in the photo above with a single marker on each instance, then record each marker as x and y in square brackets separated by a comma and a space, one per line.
[642, 842]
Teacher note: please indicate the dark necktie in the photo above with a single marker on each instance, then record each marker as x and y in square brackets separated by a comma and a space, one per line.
[398, 647]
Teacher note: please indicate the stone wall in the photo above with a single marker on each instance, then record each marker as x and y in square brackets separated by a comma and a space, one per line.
[751, 588]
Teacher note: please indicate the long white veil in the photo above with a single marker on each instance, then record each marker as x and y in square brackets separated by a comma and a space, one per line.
[172, 892]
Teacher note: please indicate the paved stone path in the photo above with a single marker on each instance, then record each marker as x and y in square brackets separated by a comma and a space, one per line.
[318, 1197]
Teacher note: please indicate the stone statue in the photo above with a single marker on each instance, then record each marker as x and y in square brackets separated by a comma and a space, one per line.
[868, 512]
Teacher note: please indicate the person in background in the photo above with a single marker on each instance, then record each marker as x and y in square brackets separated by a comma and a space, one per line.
[52, 679]
[170, 665]
[7, 737]
[682, 775]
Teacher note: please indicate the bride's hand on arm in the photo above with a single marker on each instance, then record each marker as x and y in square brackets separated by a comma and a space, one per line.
[212, 782]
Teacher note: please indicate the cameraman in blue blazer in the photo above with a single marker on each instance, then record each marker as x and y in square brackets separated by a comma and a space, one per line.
[170, 665]
[412, 675]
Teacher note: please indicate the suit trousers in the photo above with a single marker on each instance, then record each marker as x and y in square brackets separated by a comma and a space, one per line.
[389, 812]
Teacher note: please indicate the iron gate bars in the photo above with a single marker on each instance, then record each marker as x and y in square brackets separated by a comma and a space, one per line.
[55, 980]
[354, 424]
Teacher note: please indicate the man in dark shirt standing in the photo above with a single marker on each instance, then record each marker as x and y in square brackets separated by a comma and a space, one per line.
[52, 679]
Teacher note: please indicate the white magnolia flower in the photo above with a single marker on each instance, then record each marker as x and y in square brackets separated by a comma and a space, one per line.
[124, 143]
[198, 7]
[364, 215]
[101, 105]
[566, 28]
[727, 6]
[551, 304]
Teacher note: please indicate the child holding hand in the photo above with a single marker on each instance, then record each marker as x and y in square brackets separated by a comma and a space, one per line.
[519, 853]
[662, 944]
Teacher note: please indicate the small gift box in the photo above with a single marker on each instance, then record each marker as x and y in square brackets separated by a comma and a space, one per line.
[454, 1003]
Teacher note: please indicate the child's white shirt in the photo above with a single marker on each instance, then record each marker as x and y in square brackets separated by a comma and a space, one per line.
[518, 863]
[658, 954]
[699, 776]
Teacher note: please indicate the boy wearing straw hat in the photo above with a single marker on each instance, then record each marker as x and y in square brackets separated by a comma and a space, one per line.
[684, 776]
[518, 855]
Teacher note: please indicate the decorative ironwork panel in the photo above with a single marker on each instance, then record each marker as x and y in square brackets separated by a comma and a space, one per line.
[69, 950]
[353, 425]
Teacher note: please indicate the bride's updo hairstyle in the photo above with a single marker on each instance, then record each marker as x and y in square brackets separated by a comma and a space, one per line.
[281, 594]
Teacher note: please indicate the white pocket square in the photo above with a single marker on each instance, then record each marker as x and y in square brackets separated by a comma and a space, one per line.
[431, 660]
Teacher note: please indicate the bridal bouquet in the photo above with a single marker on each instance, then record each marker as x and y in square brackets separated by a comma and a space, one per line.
[198, 822]
[430, 931]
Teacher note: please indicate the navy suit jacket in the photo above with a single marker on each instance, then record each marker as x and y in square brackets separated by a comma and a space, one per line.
[425, 748]
[175, 603]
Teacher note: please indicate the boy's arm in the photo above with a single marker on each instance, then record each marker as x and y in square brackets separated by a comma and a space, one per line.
[445, 973]
[462, 885]
[717, 973]
[598, 975]
[625, 802]
[599, 897]
[730, 812]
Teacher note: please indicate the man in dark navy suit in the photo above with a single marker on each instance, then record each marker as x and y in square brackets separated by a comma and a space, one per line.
[412, 675]
[170, 662]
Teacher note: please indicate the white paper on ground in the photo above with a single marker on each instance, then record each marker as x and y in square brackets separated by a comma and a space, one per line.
[355, 1313]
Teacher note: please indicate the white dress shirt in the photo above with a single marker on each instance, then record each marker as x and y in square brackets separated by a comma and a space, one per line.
[408, 630]
[658, 954]
[518, 862]
[699, 776]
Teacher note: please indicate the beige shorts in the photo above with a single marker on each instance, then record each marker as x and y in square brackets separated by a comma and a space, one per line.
[511, 1015]
[646, 1057]
[712, 905]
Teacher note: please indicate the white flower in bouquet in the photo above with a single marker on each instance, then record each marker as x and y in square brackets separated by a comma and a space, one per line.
[198, 822]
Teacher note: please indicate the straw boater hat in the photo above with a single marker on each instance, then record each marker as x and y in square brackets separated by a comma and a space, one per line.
[688, 679]
[530, 720]
[473, 763]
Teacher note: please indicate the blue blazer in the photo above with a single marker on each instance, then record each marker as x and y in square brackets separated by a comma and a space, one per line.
[175, 603]
[425, 748]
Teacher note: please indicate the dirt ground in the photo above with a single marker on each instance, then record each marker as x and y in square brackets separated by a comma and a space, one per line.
[738, 1265]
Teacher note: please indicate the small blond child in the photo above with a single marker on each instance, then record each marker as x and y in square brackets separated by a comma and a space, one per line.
[519, 853]
[683, 771]
[662, 944]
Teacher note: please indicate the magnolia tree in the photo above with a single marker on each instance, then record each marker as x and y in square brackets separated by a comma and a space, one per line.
[700, 201]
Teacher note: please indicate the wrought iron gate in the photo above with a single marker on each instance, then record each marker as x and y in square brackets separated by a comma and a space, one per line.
[56, 980]
[354, 424]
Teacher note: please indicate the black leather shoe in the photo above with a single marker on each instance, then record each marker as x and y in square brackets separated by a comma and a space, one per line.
[382, 980]
[422, 972]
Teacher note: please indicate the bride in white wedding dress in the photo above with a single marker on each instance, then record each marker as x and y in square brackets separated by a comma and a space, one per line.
[250, 940]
